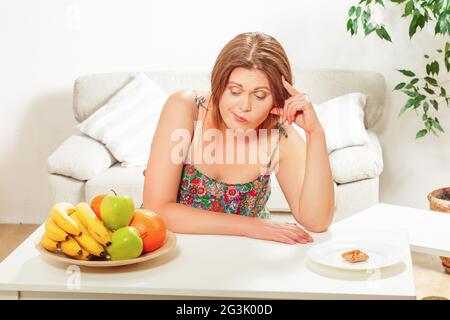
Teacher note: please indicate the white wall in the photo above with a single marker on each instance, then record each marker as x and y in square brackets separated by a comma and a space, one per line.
[46, 44]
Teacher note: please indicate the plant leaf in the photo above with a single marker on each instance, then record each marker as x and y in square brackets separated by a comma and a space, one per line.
[436, 124]
[428, 69]
[431, 81]
[407, 73]
[435, 104]
[443, 23]
[408, 8]
[358, 12]
[412, 94]
[414, 81]
[414, 23]
[350, 25]
[403, 109]
[399, 86]
[421, 133]
[426, 106]
[435, 67]
[355, 26]
[351, 11]
[408, 105]
[428, 90]
[447, 56]
[383, 34]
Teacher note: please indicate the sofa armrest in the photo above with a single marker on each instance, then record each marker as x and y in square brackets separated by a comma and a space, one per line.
[80, 157]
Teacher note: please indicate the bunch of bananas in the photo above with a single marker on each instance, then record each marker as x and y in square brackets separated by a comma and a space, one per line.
[76, 231]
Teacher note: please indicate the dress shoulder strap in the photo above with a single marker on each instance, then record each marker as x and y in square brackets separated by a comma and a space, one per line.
[281, 132]
[199, 124]
[199, 101]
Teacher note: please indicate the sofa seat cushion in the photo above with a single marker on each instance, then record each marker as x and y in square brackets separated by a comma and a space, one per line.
[357, 162]
[123, 180]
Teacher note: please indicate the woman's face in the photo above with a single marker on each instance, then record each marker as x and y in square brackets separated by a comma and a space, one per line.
[247, 99]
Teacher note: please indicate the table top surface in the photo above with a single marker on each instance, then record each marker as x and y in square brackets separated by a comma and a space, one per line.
[222, 266]
[428, 231]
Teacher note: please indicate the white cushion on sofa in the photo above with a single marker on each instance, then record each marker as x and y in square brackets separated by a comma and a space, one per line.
[357, 162]
[126, 122]
[343, 120]
[80, 157]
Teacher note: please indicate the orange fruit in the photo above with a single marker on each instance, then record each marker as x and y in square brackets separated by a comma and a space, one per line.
[95, 205]
[151, 227]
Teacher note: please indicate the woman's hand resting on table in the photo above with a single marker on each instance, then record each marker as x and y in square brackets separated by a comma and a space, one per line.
[290, 233]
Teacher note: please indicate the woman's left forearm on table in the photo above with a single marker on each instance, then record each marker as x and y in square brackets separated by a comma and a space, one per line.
[317, 195]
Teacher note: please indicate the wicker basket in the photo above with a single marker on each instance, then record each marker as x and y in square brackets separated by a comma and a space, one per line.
[441, 205]
[434, 298]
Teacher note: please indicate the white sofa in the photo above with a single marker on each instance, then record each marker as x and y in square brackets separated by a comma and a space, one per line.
[82, 167]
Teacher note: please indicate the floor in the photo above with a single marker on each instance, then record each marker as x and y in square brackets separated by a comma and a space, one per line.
[429, 275]
[11, 235]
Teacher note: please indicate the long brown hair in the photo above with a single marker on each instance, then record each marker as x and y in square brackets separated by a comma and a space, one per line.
[251, 50]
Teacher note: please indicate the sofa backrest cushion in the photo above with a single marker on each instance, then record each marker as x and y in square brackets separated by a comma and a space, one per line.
[93, 90]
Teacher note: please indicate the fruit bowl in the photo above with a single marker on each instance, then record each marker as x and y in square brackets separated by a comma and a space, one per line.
[168, 245]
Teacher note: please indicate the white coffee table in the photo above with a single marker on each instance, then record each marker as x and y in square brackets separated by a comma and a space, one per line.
[428, 231]
[213, 266]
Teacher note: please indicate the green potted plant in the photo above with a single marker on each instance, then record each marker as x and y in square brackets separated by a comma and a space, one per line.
[423, 93]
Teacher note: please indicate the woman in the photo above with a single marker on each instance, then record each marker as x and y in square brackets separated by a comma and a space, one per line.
[251, 92]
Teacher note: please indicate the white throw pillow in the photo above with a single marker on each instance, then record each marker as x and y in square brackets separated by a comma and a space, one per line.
[357, 162]
[342, 119]
[126, 123]
[80, 157]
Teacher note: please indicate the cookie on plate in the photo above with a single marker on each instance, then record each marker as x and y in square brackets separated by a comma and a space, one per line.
[355, 256]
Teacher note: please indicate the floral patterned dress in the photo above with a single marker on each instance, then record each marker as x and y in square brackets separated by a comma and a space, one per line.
[200, 191]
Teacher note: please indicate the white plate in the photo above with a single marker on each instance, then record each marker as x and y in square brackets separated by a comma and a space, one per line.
[381, 254]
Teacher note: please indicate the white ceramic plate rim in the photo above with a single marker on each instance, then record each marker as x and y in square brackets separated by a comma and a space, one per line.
[315, 253]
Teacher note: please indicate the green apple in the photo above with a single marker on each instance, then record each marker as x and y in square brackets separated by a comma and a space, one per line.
[126, 243]
[117, 211]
